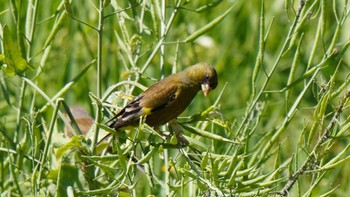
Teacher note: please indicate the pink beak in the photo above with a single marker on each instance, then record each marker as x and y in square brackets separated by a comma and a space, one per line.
[206, 89]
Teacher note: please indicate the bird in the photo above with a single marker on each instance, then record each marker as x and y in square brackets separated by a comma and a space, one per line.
[166, 99]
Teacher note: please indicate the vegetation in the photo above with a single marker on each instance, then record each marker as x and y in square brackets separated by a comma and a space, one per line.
[277, 124]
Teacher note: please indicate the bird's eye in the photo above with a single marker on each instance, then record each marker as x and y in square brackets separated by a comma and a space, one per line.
[206, 77]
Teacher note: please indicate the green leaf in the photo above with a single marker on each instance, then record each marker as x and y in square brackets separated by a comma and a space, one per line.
[68, 7]
[13, 61]
[122, 161]
[148, 156]
[76, 142]
[209, 26]
[206, 134]
[65, 176]
[106, 3]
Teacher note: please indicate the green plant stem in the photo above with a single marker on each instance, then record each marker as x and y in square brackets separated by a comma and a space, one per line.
[48, 140]
[20, 109]
[161, 40]
[14, 175]
[162, 34]
[67, 87]
[47, 98]
[260, 57]
[98, 74]
[32, 12]
[268, 77]
[293, 178]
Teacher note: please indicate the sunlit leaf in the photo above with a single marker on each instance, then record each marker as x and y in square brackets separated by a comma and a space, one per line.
[76, 142]
[13, 61]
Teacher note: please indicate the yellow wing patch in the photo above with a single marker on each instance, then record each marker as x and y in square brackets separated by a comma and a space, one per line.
[146, 111]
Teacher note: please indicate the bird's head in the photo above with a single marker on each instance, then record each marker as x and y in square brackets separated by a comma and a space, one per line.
[205, 75]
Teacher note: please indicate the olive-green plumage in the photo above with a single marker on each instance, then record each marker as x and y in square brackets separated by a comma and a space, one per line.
[168, 98]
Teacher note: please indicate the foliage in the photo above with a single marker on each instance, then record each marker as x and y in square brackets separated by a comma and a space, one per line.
[276, 125]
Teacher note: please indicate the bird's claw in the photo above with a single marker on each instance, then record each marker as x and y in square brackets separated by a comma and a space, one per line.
[181, 140]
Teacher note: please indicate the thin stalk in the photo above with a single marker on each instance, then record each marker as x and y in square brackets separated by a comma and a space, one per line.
[99, 73]
[67, 86]
[166, 176]
[99, 50]
[161, 40]
[47, 98]
[20, 108]
[19, 30]
[319, 33]
[289, 116]
[260, 57]
[46, 52]
[325, 136]
[274, 67]
[162, 34]
[48, 141]
[293, 68]
[14, 174]
[32, 12]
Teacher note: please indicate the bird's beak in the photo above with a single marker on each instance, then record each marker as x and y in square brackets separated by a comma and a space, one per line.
[206, 89]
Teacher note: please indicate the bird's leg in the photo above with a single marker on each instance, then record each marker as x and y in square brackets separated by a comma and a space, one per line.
[160, 134]
[157, 129]
[175, 126]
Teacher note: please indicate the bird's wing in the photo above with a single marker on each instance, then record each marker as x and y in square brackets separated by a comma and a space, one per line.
[132, 111]
[157, 97]
[160, 96]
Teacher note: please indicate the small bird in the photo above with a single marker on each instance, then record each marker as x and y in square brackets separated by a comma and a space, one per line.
[168, 98]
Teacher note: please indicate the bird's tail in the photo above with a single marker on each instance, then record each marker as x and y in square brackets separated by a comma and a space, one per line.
[113, 123]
